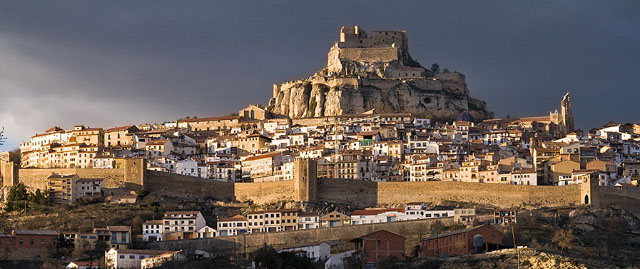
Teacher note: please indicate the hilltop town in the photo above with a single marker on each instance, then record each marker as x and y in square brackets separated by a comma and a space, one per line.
[373, 148]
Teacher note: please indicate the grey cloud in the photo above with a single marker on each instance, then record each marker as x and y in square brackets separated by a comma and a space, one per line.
[149, 61]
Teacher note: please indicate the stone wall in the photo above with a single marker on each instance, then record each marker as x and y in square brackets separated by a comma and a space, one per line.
[413, 230]
[359, 193]
[36, 178]
[369, 54]
[174, 185]
[627, 198]
[265, 192]
[367, 194]
[501, 195]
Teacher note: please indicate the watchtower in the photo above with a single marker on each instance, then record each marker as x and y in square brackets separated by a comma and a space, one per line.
[9, 168]
[305, 176]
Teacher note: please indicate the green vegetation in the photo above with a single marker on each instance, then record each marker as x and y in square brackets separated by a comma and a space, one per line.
[267, 257]
[312, 107]
[19, 198]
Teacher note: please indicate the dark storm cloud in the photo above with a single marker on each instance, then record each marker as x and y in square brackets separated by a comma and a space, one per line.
[104, 63]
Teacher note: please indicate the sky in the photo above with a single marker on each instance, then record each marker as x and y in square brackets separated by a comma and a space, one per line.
[112, 63]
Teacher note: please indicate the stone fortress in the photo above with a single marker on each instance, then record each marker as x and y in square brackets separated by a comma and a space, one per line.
[375, 72]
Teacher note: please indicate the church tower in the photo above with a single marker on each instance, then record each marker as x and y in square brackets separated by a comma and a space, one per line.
[566, 113]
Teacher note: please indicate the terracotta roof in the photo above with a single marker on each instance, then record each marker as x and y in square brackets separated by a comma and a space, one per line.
[455, 232]
[158, 221]
[143, 251]
[119, 128]
[211, 119]
[54, 129]
[169, 213]
[36, 232]
[89, 179]
[369, 212]
[119, 228]
[234, 218]
[258, 157]
[157, 142]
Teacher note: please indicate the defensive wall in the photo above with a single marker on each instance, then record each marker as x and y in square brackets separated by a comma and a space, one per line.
[169, 184]
[367, 193]
[131, 175]
[413, 230]
[306, 187]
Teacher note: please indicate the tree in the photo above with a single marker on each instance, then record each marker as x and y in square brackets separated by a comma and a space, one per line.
[64, 246]
[17, 198]
[267, 257]
[136, 226]
[564, 239]
[80, 251]
[2, 137]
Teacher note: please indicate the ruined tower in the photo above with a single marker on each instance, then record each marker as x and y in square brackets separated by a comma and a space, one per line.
[566, 113]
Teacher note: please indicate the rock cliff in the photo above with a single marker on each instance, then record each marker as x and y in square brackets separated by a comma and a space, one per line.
[375, 72]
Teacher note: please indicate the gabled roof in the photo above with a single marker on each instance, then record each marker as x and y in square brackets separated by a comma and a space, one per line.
[369, 212]
[375, 234]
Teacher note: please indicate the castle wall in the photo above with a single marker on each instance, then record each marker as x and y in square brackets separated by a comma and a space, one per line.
[627, 198]
[356, 192]
[265, 192]
[367, 194]
[37, 178]
[501, 195]
[174, 185]
[369, 54]
[413, 230]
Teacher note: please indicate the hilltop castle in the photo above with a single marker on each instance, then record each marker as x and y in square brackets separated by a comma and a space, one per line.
[384, 54]
[375, 72]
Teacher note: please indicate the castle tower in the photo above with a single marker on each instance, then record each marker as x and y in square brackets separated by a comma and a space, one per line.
[9, 169]
[305, 178]
[566, 113]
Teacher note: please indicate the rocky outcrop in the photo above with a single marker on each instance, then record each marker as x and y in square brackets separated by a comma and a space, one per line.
[357, 80]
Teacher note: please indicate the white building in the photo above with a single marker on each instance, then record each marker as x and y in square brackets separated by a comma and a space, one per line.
[191, 168]
[376, 215]
[89, 187]
[232, 226]
[129, 258]
[317, 252]
[308, 220]
[152, 230]
[418, 210]
[183, 221]
[207, 232]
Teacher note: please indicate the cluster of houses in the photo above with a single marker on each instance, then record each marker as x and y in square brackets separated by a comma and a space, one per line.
[256, 146]
[178, 225]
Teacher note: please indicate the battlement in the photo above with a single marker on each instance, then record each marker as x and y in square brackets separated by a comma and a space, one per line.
[383, 54]
[354, 37]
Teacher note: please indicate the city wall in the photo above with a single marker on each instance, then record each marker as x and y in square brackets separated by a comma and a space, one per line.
[37, 178]
[174, 185]
[133, 176]
[366, 193]
[265, 192]
[414, 230]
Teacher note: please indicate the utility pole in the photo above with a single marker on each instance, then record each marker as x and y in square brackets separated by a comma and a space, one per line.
[513, 234]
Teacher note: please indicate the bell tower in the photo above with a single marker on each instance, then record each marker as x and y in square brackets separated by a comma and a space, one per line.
[566, 113]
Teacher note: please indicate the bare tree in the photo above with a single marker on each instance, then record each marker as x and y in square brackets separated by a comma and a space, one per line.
[2, 137]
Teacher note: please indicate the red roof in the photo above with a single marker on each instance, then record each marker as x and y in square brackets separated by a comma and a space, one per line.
[370, 212]
[234, 218]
